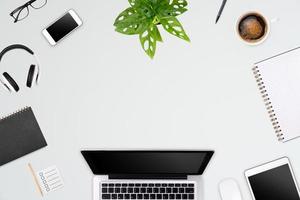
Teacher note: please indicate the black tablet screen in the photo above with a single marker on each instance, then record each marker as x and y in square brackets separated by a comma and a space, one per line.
[274, 184]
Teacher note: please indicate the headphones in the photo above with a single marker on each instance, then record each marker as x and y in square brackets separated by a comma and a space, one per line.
[33, 73]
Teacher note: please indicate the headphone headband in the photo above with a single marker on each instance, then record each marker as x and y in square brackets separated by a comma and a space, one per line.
[15, 46]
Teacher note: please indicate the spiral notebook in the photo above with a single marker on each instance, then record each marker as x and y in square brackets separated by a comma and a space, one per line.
[20, 135]
[278, 80]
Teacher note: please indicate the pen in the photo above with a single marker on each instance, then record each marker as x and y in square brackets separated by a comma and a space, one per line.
[221, 10]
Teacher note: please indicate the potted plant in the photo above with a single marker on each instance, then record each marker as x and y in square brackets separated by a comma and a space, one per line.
[143, 18]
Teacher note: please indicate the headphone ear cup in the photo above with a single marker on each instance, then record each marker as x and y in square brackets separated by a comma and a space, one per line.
[30, 76]
[11, 81]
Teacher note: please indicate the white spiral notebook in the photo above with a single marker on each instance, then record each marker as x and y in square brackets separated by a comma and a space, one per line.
[278, 80]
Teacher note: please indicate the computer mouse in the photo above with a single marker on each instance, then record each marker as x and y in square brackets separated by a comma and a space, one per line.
[229, 190]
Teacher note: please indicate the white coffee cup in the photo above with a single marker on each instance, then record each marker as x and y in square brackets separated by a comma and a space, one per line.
[261, 22]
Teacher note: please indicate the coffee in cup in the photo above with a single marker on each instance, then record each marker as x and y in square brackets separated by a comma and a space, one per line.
[253, 28]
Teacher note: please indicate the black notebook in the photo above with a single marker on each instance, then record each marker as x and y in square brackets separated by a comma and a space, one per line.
[20, 134]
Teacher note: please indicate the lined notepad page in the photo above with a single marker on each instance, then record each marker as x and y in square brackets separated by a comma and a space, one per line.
[281, 78]
[49, 179]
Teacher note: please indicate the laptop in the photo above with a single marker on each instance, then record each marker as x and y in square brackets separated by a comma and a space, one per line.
[145, 174]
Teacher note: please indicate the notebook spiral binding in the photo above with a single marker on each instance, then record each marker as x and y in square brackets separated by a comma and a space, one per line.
[268, 103]
[14, 113]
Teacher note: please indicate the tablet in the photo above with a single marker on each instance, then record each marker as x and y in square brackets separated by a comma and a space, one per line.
[273, 181]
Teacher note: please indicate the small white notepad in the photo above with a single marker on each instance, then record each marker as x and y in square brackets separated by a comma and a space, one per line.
[278, 79]
[49, 179]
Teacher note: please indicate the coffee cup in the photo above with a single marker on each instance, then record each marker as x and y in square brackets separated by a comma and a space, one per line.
[253, 28]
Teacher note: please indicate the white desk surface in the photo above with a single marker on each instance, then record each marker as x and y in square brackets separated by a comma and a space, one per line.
[99, 90]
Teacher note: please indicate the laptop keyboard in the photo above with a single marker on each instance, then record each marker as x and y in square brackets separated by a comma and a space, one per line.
[147, 190]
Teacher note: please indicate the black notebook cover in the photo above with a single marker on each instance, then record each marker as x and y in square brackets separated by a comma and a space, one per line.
[20, 134]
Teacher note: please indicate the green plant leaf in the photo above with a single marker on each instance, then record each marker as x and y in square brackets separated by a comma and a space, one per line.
[145, 8]
[153, 2]
[163, 2]
[124, 15]
[175, 8]
[173, 26]
[179, 7]
[130, 22]
[132, 29]
[157, 34]
[159, 3]
[168, 11]
[132, 2]
[148, 41]
[136, 3]
[179, 3]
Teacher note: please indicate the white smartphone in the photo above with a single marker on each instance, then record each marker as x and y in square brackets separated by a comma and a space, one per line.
[273, 181]
[62, 27]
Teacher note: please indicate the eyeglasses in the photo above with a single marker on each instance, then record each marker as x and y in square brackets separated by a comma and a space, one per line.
[22, 12]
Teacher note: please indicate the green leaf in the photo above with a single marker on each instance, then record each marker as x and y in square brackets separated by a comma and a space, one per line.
[175, 8]
[157, 34]
[179, 3]
[148, 41]
[173, 26]
[159, 3]
[132, 2]
[163, 2]
[132, 29]
[154, 2]
[124, 15]
[130, 22]
[168, 11]
[145, 8]
[179, 7]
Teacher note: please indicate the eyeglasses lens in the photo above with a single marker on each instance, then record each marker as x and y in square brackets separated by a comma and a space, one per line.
[38, 4]
[22, 14]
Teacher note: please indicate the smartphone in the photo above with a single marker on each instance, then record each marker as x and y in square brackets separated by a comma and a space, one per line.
[62, 27]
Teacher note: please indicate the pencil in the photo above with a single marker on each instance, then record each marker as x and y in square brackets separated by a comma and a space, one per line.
[35, 179]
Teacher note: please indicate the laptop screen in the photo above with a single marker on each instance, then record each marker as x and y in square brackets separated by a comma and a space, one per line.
[147, 162]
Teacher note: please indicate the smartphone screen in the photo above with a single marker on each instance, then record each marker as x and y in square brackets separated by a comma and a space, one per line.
[62, 27]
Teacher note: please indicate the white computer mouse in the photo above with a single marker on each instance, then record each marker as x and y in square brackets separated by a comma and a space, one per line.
[230, 190]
